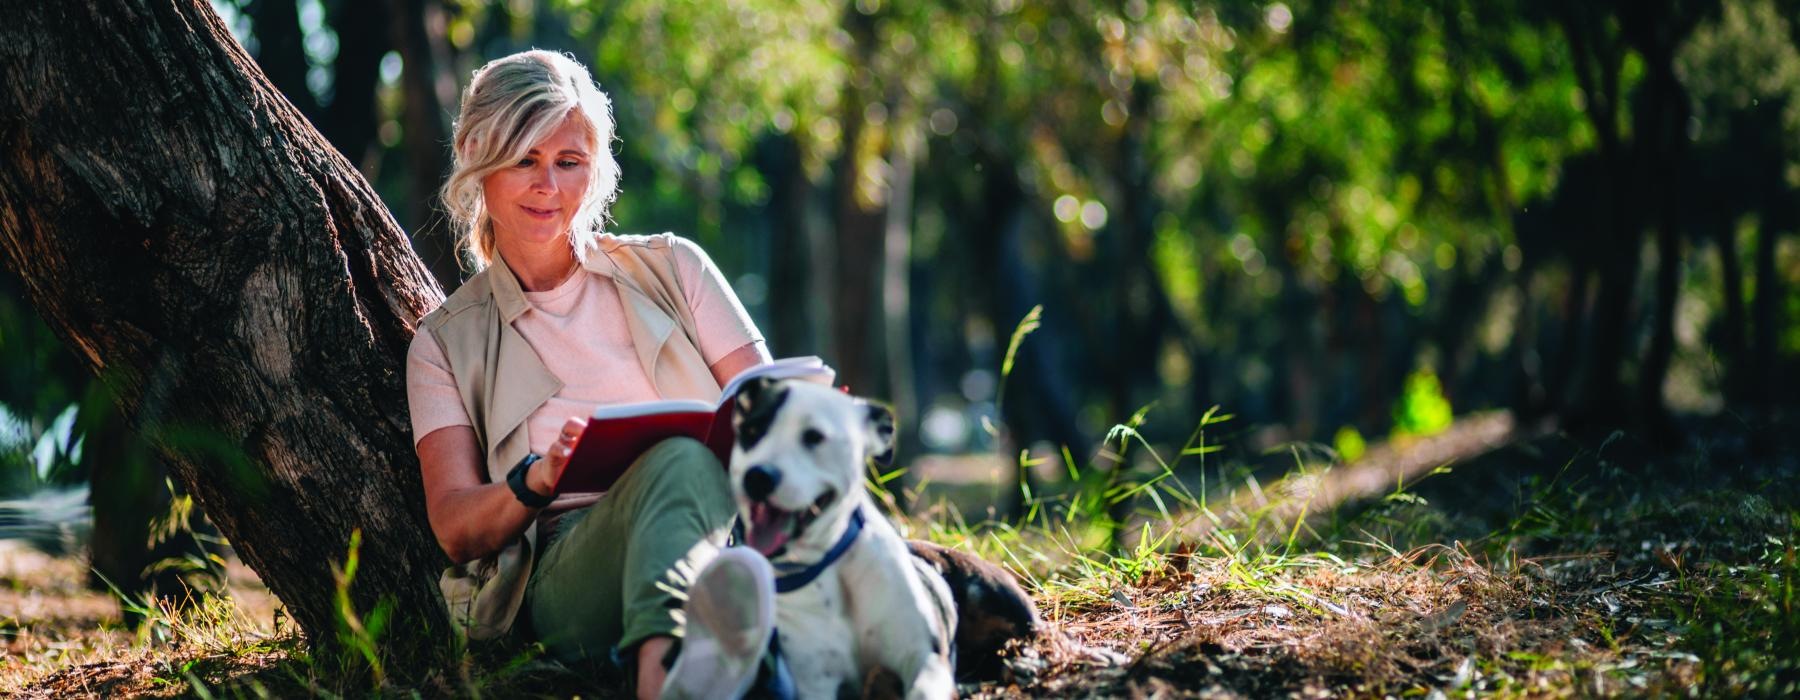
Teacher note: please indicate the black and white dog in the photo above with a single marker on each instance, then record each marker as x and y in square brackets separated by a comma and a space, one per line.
[856, 604]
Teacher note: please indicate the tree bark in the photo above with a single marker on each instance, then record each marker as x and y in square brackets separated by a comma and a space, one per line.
[235, 281]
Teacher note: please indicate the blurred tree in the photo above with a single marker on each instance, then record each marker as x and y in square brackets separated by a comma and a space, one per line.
[430, 90]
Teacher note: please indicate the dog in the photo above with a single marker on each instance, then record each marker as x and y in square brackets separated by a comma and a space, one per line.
[858, 608]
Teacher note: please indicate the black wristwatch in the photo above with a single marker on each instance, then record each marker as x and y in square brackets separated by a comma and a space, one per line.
[515, 479]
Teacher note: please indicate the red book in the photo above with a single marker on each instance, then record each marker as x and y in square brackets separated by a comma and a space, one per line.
[616, 435]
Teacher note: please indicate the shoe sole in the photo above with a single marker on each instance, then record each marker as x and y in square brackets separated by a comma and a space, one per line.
[716, 595]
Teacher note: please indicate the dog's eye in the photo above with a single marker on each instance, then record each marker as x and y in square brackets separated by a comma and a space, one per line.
[812, 437]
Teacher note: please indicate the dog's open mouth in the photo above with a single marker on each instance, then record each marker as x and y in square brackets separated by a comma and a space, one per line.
[771, 528]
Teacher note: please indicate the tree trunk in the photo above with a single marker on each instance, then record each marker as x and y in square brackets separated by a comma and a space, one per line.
[860, 222]
[1669, 162]
[1731, 336]
[235, 281]
[419, 33]
[350, 121]
[281, 51]
[790, 331]
[1765, 313]
[896, 295]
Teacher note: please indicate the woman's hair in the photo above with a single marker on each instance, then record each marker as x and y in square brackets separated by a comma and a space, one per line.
[512, 104]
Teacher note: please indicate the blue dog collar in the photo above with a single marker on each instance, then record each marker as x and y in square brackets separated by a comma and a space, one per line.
[801, 574]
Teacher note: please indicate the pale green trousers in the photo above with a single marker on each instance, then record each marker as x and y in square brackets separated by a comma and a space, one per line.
[609, 576]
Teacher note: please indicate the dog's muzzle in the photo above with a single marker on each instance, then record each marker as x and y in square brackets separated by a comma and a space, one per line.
[769, 528]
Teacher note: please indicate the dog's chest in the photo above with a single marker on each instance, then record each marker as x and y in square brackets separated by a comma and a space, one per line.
[817, 638]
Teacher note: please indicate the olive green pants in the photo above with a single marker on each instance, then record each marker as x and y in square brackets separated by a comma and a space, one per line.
[607, 579]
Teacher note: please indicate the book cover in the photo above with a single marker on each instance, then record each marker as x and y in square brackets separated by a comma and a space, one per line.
[616, 435]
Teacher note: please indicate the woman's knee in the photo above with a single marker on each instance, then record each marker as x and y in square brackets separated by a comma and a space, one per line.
[683, 464]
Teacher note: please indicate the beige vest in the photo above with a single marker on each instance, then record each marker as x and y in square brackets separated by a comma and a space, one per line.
[501, 382]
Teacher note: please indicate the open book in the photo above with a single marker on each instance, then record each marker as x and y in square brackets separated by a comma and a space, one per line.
[616, 435]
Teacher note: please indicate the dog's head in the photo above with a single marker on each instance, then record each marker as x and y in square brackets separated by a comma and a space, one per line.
[797, 465]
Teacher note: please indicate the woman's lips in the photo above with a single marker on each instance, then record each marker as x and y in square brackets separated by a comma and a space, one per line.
[535, 213]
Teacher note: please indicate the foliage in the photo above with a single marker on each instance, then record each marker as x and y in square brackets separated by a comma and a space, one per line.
[1423, 410]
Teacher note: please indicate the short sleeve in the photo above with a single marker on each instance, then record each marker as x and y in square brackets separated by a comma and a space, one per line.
[720, 318]
[431, 393]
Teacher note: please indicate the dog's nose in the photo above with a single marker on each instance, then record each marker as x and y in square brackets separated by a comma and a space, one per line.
[760, 481]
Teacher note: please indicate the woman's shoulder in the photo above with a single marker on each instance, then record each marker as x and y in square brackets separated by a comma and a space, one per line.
[663, 248]
[610, 242]
[473, 292]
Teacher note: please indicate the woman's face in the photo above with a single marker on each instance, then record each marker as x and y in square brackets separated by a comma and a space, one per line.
[533, 201]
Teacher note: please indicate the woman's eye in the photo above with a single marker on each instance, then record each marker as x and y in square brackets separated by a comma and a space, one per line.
[525, 163]
[569, 164]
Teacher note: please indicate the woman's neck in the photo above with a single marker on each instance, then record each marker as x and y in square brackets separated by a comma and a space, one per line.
[541, 272]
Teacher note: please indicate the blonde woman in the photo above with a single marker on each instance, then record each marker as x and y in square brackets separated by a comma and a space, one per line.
[560, 318]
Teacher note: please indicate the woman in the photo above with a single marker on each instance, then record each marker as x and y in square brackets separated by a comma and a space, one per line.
[561, 318]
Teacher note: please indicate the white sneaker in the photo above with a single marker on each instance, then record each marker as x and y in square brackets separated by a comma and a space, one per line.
[730, 616]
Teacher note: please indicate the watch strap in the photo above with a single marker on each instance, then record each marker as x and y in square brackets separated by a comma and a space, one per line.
[515, 480]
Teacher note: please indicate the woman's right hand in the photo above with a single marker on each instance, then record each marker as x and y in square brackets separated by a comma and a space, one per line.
[547, 472]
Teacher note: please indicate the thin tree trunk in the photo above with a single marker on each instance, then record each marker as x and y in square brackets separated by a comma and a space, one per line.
[1731, 274]
[1562, 370]
[281, 51]
[419, 32]
[860, 224]
[1765, 315]
[1662, 333]
[350, 121]
[896, 308]
[1672, 162]
[790, 297]
[237, 283]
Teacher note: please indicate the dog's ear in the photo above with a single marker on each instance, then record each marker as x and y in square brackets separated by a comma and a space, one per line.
[880, 420]
[754, 409]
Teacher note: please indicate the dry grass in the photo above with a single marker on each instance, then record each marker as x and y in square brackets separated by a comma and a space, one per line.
[1433, 620]
[63, 640]
[1545, 568]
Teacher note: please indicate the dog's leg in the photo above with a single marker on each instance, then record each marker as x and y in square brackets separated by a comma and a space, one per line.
[900, 624]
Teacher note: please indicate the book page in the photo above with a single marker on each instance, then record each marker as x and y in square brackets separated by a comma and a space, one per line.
[650, 408]
[809, 367]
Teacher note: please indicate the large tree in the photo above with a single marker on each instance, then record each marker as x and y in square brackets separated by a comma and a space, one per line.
[240, 287]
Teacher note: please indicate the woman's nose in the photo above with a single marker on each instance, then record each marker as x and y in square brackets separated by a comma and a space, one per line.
[543, 179]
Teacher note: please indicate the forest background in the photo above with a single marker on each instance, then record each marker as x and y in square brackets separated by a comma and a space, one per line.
[1338, 221]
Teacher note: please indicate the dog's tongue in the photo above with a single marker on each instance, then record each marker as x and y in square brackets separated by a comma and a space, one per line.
[768, 529]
